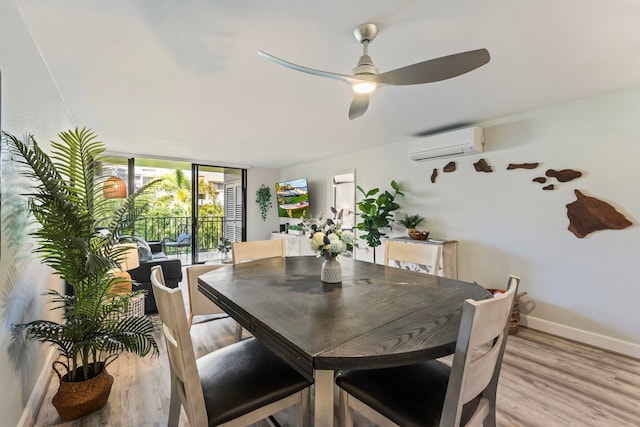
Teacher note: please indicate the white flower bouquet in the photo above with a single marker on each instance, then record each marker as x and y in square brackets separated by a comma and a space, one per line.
[326, 237]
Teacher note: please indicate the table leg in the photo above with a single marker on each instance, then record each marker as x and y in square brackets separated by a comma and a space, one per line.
[323, 398]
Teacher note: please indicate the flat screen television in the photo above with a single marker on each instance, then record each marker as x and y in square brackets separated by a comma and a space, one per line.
[293, 198]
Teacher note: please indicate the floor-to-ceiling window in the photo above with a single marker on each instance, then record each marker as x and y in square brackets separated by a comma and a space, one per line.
[188, 208]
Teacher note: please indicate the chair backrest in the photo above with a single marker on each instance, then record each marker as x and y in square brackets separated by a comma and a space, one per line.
[198, 303]
[257, 249]
[426, 258]
[478, 357]
[184, 234]
[184, 239]
[185, 380]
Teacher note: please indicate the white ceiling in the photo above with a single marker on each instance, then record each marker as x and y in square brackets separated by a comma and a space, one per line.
[182, 79]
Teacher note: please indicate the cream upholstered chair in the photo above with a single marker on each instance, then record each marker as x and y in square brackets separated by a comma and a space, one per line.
[256, 249]
[234, 386]
[420, 254]
[198, 303]
[430, 393]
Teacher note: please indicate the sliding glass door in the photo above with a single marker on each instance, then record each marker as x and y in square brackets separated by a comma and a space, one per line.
[218, 210]
[189, 210]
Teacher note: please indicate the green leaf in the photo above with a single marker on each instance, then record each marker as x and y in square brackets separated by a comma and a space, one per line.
[376, 212]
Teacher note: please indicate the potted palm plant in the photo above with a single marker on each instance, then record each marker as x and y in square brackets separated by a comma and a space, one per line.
[77, 235]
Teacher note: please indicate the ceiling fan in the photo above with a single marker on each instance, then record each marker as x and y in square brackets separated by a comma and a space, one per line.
[366, 78]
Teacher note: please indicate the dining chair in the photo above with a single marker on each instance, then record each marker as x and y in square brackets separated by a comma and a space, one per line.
[426, 258]
[256, 249]
[199, 304]
[431, 393]
[236, 385]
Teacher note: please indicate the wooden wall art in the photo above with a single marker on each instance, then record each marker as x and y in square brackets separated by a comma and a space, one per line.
[482, 166]
[450, 167]
[564, 175]
[588, 214]
[522, 166]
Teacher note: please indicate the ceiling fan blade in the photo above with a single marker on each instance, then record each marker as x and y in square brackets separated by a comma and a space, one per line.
[344, 77]
[437, 69]
[358, 106]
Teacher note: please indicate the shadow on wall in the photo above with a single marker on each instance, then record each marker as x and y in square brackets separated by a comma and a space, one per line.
[25, 279]
[511, 135]
[491, 270]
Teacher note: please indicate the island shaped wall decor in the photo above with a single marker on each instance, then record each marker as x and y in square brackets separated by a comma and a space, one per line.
[588, 214]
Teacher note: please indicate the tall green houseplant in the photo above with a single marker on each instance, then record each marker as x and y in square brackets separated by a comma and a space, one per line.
[376, 212]
[77, 234]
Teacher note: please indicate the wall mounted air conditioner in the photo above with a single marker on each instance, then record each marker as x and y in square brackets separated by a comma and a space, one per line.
[453, 143]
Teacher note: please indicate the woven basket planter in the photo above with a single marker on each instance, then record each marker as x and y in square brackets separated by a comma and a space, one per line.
[77, 399]
[514, 322]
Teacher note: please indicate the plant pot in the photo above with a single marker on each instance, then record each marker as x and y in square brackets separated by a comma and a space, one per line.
[331, 271]
[77, 399]
[419, 235]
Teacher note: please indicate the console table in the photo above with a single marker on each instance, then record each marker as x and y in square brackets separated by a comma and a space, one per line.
[449, 260]
[297, 245]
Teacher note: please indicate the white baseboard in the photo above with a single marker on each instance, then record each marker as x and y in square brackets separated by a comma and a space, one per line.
[38, 393]
[601, 341]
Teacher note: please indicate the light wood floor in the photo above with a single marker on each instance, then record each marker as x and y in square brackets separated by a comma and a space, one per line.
[545, 382]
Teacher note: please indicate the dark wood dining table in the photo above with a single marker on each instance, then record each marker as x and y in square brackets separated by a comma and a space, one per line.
[377, 317]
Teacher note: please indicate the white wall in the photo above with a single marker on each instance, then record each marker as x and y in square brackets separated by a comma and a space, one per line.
[506, 224]
[30, 104]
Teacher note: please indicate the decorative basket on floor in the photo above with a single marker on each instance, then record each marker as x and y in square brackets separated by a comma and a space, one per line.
[136, 308]
[514, 323]
[77, 399]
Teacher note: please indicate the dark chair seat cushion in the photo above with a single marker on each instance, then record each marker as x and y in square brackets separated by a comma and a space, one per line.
[242, 377]
[408, 395]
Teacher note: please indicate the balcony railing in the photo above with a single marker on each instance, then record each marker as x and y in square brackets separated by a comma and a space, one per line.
[210, 230]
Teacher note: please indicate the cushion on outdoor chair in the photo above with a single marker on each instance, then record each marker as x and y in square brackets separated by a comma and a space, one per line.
[182, 240]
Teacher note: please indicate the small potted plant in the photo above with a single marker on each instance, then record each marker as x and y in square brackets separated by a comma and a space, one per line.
[411, 222]
[295, 229]
[224, 247]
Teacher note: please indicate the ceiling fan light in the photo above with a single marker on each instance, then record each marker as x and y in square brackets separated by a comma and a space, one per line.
[364, 87]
